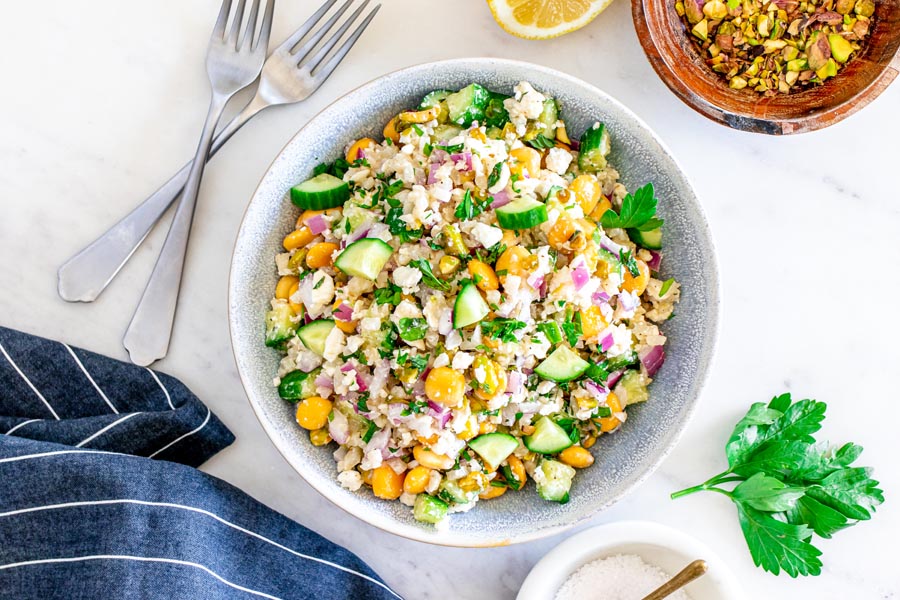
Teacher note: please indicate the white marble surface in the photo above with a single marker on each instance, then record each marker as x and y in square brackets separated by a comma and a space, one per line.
[103, 100]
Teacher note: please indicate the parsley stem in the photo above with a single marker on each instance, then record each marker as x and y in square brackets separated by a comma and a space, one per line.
[708, 485]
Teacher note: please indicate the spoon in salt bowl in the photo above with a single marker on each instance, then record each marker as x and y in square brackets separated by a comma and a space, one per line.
[684, 577]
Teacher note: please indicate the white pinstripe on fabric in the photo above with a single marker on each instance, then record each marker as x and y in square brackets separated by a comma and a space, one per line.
[22, 424]
[55, 453]
[160, 383]
[199, 511]
[189, 433]
[28, 381]
[91, 379]
[105, 429]
[173, 561]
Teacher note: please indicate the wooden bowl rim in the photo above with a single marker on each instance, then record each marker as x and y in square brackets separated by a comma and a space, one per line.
[735, 111]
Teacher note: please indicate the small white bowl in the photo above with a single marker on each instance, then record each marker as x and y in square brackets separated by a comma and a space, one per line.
[667, 548]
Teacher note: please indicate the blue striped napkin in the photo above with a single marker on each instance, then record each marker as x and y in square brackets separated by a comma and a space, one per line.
[85, 514]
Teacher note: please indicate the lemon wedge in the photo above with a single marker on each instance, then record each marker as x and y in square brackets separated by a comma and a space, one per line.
[543, 19]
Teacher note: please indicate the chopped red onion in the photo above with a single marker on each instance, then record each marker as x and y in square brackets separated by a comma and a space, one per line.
[614, 378]
[628, 301]
[432, 173]
[441, 413]
[317, 224]
[535, 281]
[580, 273]
[357, 234]
[378, 230]
[501, 198]
[607, 342]
[361, 382]
[654, 261]
[324, 381]
[380, 376]
[575, 144]
[380, 440]
[610, 246]
[395, 412]
[652, 358]
[599, 298]
[514, 382]
[463, 157]
[596, 390]
[343, 313]
[346, 367]
[438, 155]
[339, 427]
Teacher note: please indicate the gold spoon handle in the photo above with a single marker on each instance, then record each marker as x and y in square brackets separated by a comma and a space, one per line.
[684, 577]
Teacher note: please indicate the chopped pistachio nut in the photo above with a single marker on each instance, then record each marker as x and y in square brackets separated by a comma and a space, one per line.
[777, 46]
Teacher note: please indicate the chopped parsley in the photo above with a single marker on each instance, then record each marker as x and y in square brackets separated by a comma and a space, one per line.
[418, 362]
[551, 331]
[452, 149]
[428, 276]
[665, 286]
[541, 142]
[389, 295]
[415, 407]
[626, 257]
[637, 212]
[412, 329]
[502, 329]
[572, 328]
[371, 428]
[494, 177]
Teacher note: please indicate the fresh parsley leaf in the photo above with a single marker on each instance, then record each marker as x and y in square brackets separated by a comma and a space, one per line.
[572, 328]
[470, 207]
[551, 331]
[797, 421]
[362, 403]
[667, 284]
[502, 329]
[490, 255]
[418, 362]
[319, 283]
[850, 491]
[428, 276]
[824, 520]
[392, 294]
[494, 177]
[626, 257]
[371, 428]
[338, 168]
[637, 211]
[412, 329]
[777, 546]
[414, 407]
[452, 149]
[418, 130]
[428, 149]
[541, 142]
[767, 493]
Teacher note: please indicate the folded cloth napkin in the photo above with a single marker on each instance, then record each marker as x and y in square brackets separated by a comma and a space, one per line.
[85, 514]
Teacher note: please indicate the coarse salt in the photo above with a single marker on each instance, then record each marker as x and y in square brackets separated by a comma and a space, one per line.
[620, 577]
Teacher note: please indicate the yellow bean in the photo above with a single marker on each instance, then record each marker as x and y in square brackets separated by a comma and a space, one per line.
[355, 151]
[319, 437]
[312, 413]
[283, 288]
[432, 460]
[298, 238]
[483, 275]
[320, 255]
[445, 386]
[416, 480]
[576, 456]
[387, 483]
[492, 491]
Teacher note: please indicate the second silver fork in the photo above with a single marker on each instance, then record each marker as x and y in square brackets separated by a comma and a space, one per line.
[290, 74]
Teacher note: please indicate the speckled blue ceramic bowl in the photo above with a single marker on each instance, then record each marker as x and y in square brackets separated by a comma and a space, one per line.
[628, 456]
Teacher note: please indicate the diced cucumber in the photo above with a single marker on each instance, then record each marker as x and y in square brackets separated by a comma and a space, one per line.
[651, 240]
[595, 147]
[494, 447]
[364, 258]
[469, 307]
[495, 114]
[279, 326]
[321, 192]
[434, 98]
[468, 104]
[298, 385]
[548, 437]
[521, 213]
[611, 263]
[451, 492]
[545, 124]
[555, 480]
[562, 365]
[444, 133]
[429, 509]
[632, 388]
[313, 335]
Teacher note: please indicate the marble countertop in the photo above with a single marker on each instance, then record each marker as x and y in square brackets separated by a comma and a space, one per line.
[104, 100]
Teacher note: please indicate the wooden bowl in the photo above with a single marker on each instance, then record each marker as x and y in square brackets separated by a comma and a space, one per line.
[678, 61]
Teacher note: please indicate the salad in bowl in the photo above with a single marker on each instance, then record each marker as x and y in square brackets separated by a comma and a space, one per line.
[470, 303]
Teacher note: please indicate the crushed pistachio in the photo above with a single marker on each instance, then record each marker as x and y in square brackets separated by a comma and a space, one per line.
[777, 46]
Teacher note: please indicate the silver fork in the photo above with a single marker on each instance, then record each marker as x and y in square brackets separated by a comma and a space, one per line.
[290, 74]
[233, 61]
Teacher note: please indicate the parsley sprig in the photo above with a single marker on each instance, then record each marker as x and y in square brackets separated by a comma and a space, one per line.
[789, 487]
[428, 276]
[638, 212]
[502, 329]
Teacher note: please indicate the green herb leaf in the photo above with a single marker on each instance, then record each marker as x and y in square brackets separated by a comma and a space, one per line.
[626, 257]
[551, 331]
[494, 177]
[452, 149]
[850, 491]
[767, 494]
[392, 294]
[637, 211]
[428, 276]
[824, 520]
[541, 142]
[412, 329]
[371, 428]
[667, 284]
[502, 329]
[777, 546]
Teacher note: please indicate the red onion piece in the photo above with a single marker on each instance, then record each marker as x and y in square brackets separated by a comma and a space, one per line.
[432, 173]
[580, 274]
[653, 263]
[339, 427]
[346, 367]
[343, 313]
[607, 342]
[361, 382]
[501, 198]
[356, 235]
[324, 381]
[514, 382]
[441, 413]
[628, 301]
[614, 378]
[599, 298]
[652, 358]
[535, 281]
[463, 157]
[380, 377]
[596, 390]
[317, 224]
[380, 440]
[610, 246]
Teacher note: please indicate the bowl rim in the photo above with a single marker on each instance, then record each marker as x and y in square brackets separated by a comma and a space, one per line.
[460, 540]
[585, 546]
[808, 121]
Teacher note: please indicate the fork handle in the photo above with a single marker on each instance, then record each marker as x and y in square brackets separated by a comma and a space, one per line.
[84, 276]
[148, 334]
